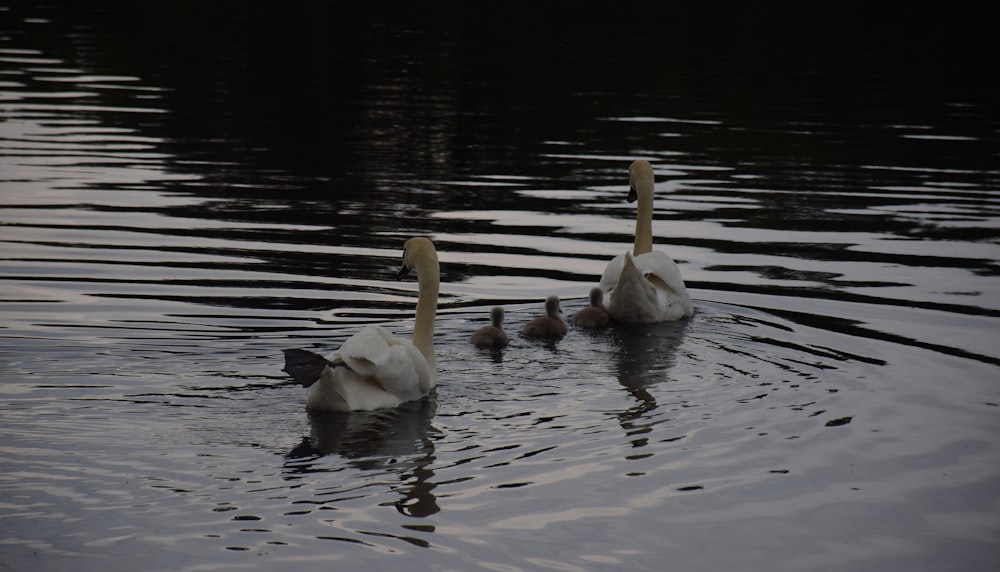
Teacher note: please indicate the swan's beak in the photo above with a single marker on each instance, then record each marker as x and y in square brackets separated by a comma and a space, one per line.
[632, 194]
[403, 272]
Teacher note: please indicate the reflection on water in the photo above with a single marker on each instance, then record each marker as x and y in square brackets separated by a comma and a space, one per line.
[186, 190]
[395, 441]
[644, 355]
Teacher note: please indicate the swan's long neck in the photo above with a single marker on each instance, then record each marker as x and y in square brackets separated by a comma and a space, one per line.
[644, 220]
[428, 280]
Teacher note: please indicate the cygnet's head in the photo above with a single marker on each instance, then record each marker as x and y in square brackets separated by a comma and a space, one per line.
[596, 296]
[496, 316]
[552, 306]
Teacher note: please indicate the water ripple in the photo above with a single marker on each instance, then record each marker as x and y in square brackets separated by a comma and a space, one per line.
[168, 229]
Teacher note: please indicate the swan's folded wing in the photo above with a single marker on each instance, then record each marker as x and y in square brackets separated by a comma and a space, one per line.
[405, 372]
[659, 267]
[393, 363]
[663, 267]
[366, 350]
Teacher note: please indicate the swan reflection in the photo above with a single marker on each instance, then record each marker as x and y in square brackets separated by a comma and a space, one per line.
[644, 355]
[395, 440]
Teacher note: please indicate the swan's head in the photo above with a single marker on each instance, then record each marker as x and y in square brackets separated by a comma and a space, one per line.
[496, 316]
[552, 306]
[640, 179]
[596, 296]
[416, 250]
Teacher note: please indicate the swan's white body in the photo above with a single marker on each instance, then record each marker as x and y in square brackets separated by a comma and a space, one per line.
[379, 370]
[374, 369]
[645, 286]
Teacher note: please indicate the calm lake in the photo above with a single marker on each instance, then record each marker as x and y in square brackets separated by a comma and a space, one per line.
[187, 189]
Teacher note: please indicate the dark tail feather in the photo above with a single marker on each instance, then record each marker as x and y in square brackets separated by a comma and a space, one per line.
[304, 366]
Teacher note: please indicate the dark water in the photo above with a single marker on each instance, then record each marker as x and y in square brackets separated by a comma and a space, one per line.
[185, 190]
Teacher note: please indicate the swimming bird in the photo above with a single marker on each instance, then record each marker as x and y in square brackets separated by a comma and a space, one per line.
[595, 315]
[645, 286]
[549, 325]
[374, 369]
[492, 336]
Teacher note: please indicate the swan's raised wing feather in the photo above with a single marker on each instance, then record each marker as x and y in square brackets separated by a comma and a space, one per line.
[304, 366]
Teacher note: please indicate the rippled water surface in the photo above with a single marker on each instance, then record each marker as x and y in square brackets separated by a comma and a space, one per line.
[185, 192]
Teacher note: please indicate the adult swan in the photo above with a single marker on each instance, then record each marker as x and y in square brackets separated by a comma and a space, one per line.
[374, 369]
[645, 286]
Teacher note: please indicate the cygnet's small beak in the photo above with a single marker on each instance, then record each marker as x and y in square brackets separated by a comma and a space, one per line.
[403, 272]
[633, 195]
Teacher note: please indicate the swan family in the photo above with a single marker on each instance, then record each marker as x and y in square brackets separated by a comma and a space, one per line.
[374, 369]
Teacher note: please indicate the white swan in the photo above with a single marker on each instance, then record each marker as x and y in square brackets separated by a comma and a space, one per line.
[595, 315]
[645, 286]
[374, 369]
[549, 325]
[492, 336]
